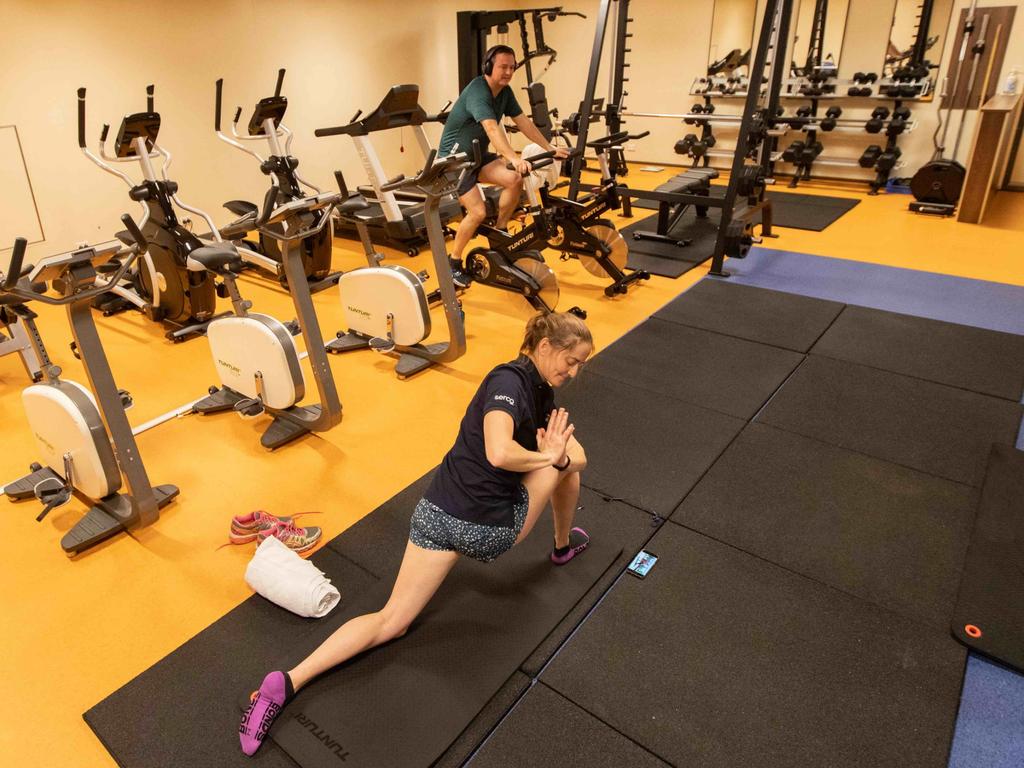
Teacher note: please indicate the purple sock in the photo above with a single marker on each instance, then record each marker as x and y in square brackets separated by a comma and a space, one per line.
[266, 704]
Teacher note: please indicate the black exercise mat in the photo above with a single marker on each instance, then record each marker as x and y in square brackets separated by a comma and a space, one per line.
[881, 532]
[670, 260]
[478, 730]
[547, 729]
[630, 529]
[670, 443]
[993, 578]
[725, 374]
[977, 359]
[404, 704]
[792, 210]
[780, 319]
[719, 658]
[926, 426]
[183, 711]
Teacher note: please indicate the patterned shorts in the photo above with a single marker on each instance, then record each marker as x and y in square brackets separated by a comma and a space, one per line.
[433, 528]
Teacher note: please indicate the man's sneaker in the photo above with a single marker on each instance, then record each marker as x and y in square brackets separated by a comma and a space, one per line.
[295, 538]
[460, 277]
[578, 541]
[264, 706]
[246, 528]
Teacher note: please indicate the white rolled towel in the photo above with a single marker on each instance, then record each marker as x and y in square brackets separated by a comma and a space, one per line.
[287, 580]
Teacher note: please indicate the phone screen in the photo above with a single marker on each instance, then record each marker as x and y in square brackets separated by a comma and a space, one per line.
[642, 563]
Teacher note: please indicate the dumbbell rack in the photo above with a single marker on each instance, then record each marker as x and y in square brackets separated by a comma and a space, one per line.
[803, 154]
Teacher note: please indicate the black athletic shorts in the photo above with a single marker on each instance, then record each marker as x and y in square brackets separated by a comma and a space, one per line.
[470, 178]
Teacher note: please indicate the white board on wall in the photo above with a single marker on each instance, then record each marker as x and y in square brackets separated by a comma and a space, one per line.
[18, 214]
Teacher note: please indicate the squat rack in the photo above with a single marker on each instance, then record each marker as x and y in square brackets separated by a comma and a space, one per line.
[754, 141]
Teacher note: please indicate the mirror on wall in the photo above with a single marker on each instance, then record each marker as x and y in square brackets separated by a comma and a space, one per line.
[732, 30]
[903, 32]
[818, 32]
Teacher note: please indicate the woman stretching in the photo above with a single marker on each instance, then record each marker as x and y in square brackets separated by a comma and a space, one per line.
[514, 453]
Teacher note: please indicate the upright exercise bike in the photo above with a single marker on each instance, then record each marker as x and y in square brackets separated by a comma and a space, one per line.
[83, 438]
[255, 354]
[161, 286]
[386, 306]
[266, 124]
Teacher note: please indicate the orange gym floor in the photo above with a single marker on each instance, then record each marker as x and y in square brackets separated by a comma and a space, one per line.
[76, 630]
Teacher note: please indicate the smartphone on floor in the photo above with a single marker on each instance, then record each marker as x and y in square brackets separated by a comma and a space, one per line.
[642, 563]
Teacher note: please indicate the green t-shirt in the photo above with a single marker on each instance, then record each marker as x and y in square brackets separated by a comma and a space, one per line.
[474, 104]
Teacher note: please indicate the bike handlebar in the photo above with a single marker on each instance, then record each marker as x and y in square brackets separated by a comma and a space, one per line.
[17, 259]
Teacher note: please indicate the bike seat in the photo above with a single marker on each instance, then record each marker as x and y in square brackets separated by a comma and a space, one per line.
[352, 205]
[215, 258]
[240, 207]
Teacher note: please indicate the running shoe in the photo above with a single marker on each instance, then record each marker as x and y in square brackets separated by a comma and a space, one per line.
[264, 705]
[292, 536]
[245, 528]
[578, 541]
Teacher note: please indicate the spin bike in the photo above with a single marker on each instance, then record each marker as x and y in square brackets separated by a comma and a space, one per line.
[161, 286]
[513, 262]
[387, 307]
[255, 355]
[581, 233]
[266, 124]
[83, 438]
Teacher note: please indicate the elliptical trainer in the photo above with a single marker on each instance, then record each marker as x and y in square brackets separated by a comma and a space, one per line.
[83, 437]
[266, 124]
[254, 354]
[163, 288]
[386, 307]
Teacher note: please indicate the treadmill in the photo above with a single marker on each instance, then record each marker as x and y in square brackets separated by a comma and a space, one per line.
[392, 220]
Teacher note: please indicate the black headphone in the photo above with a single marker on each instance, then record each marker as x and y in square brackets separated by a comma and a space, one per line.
[488, 65]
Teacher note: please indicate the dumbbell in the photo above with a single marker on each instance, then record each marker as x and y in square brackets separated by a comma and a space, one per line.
[697, 109]
[892, 91]
[896, 127]
[792, 151]
[903, 113]
[870, 156]
[709, 109]
[887, 160]
[710, 140]
[878, 115]
[908, 91]
[803, 111]
[810, 152]
[869, 77]
[828, 123]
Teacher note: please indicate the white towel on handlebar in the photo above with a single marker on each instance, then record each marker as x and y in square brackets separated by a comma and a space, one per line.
[287, 580]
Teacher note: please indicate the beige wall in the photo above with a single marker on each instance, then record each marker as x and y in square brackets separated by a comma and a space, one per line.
[341, 55]
[670, 46]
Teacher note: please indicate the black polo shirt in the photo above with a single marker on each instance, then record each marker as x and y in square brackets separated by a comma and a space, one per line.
[467, 485]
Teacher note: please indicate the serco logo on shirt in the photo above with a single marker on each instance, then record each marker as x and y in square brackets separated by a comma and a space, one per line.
[506, 398]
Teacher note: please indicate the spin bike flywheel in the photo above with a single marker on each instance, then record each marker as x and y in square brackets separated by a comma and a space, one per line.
[532, 263]
[618, 251]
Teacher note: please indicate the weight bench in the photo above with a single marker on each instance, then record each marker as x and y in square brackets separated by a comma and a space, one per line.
[695, 182]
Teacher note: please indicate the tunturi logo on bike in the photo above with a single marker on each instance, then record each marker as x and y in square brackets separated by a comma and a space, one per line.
[522, 240]
[234, 369]
[360, 312]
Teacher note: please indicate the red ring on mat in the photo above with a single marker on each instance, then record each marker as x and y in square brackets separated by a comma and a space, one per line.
[972, 631]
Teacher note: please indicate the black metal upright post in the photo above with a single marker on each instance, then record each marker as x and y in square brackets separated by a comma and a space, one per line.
[588, 97]
[775, 25]
[616, 98]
